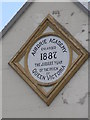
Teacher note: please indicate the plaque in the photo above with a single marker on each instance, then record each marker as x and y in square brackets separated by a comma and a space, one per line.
[49, 61]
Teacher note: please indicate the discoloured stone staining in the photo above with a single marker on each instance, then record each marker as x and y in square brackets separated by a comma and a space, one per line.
[84, 24]
[56, 12]
[82, 100]
[87, 39]
[82, 36]
[72, 13]
[64, 99]
[89, 94]
[67, 23]
[83, 30]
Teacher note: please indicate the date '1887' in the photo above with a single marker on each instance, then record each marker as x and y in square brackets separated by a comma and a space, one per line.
[50, 55]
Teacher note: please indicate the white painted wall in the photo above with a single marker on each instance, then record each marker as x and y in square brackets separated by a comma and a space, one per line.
[19, 100]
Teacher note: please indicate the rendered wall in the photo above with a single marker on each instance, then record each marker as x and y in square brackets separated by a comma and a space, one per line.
[19, 100]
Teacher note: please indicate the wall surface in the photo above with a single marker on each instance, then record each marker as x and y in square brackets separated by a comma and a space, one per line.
[19, 100]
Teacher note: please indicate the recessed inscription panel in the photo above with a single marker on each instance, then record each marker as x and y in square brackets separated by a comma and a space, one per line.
[48, 59]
